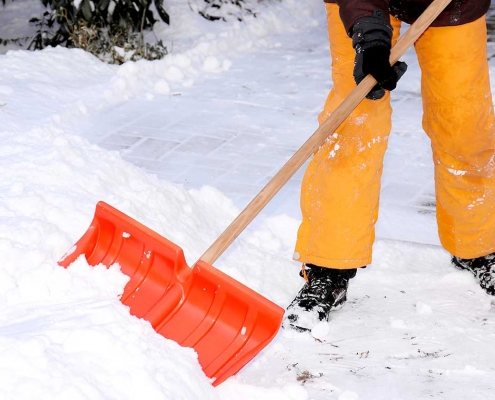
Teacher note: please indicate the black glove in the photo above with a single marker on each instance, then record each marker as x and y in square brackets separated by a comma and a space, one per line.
[372, 40]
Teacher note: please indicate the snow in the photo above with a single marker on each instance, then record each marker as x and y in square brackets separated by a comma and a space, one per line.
[413, 327]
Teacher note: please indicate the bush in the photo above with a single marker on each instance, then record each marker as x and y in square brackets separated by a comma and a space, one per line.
[101, 27]
[115, 45]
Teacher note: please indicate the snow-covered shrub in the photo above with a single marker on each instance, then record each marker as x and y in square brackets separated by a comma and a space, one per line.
[115, 45]
[99, 26]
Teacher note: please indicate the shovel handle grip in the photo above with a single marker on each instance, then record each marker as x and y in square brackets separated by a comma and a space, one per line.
[318, 137]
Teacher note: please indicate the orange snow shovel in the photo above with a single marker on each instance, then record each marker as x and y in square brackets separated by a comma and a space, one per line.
[224, 321]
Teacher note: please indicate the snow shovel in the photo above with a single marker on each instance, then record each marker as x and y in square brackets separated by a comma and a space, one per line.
[200, 307]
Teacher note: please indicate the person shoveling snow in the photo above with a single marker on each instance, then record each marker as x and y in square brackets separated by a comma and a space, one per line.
[341, 186]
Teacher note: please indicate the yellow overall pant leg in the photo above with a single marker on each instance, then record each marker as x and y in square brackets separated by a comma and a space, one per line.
[459, 119]
[341, 186]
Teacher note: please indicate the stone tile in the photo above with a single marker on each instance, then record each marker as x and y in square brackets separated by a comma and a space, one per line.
[152, 148]
[200, 145]
[203, 130]
[290, 138]
[170, 176]
[113, 147]
[173, 159]
[216, 163]
[248, 173]
[147, 164]
[125, 141]
[234, 188]
[200, 176]
[255, 158]
[132, 130]
[259, 145]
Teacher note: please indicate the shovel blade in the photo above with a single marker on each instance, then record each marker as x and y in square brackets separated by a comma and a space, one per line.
[224, 321]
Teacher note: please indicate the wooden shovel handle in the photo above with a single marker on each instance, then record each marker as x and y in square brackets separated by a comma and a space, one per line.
[318, 137]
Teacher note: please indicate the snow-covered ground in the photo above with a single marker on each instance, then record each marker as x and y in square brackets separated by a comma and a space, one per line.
[75, 131]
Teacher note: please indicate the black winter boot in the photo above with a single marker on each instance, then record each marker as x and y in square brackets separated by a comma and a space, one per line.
[325, 290]
[483, 268]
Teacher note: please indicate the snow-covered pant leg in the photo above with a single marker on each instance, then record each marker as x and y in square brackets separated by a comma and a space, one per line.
[341, 186]
[458, 117]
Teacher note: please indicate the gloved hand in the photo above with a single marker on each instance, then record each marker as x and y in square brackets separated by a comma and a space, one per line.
[372, 40]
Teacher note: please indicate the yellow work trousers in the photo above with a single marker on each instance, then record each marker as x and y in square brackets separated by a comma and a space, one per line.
[341, 186]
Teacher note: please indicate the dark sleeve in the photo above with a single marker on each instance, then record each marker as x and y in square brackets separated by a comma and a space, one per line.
[351, 10]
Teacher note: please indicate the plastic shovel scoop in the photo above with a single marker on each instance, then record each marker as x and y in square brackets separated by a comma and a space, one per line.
[224, 321]
[200, 307]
